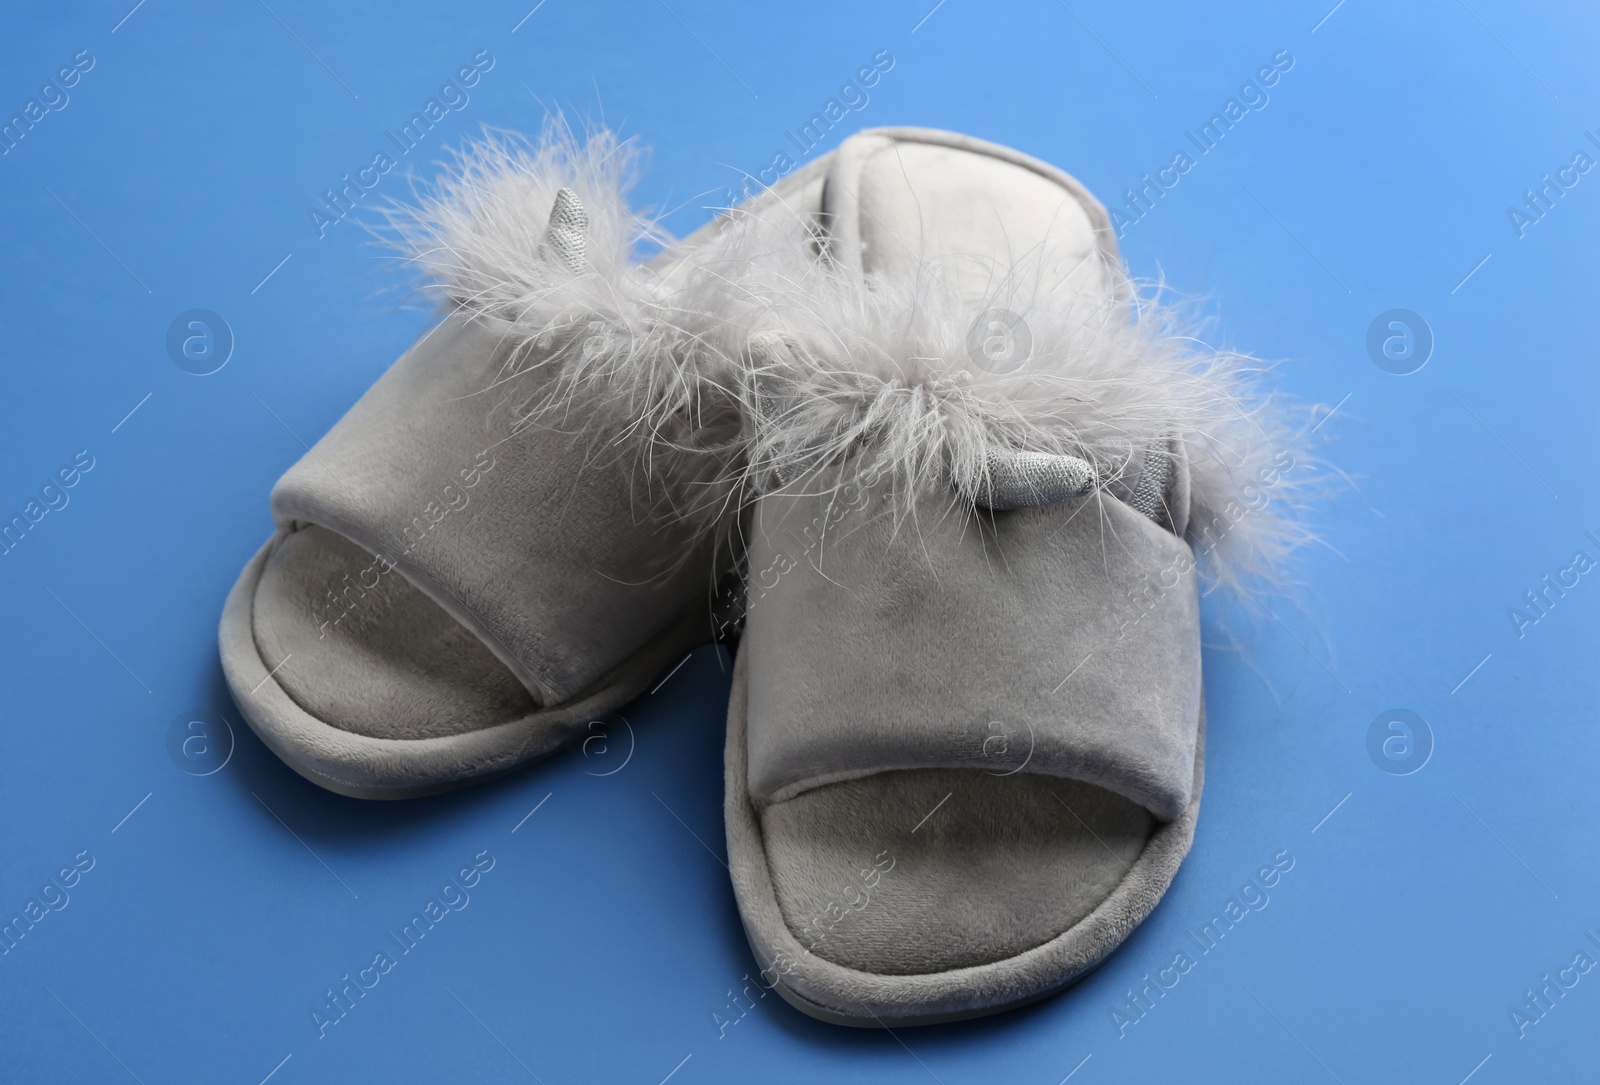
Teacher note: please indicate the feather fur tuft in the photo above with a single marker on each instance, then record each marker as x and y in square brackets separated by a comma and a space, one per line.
[539, 233]
[745, 358]
[895, 376]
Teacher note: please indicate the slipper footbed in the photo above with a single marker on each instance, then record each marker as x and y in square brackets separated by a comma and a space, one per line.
[927, 870]
[359, 647]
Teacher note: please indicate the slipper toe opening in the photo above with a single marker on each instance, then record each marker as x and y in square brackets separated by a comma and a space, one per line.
[360, 648]
[927, 870]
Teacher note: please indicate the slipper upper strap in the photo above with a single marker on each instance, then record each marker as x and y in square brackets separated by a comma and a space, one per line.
[1061, 640]
[526, 535]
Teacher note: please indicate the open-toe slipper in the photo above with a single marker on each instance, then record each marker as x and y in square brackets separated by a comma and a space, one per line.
[965, 738]
[487, 551]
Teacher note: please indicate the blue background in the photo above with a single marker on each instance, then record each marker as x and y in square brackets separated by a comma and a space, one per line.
[605, 938]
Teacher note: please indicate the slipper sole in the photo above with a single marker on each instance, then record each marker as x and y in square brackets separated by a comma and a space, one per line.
[841, 995]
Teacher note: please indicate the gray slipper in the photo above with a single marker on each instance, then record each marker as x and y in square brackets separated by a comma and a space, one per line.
[965, 739]
[514, 530]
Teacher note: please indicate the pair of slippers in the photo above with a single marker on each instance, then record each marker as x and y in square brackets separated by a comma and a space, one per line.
[966, 483]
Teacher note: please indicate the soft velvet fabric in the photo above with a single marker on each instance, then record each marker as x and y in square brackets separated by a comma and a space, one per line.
[1061, 640]
[1006, 707]
[378, 658]
[547, 556]
[927, 870]
[851, 995]
[393, 759]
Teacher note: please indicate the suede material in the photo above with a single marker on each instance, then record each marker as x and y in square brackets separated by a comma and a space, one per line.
[1049, 236]
[379, 658]
[532, 538]
[369, 685]
[929, 870]
[922, 688]
[1061, 640]
[856, 996]
[898, 198]
[378, 767]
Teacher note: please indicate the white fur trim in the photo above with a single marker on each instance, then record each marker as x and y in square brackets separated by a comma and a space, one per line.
[839, 367]
[887, 372]
[539, 233]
